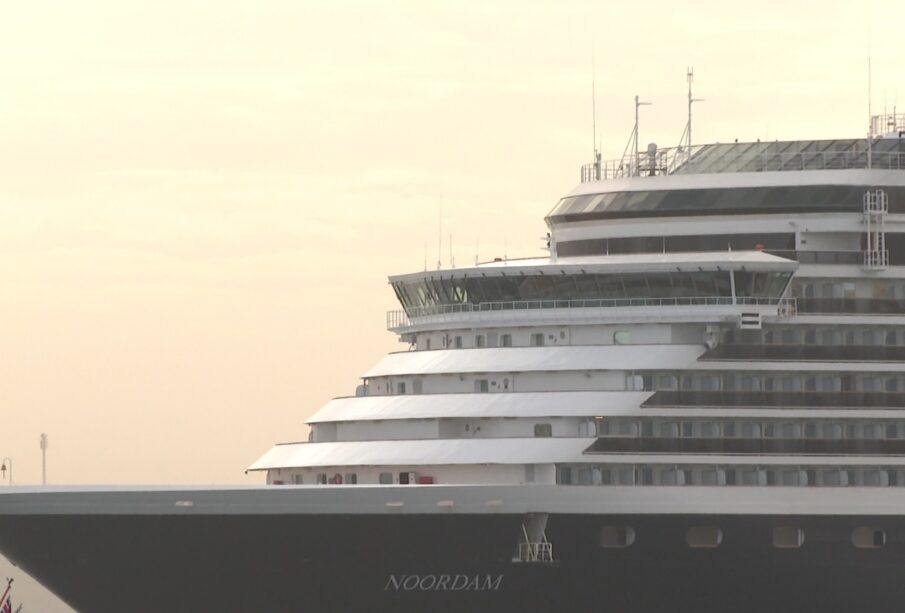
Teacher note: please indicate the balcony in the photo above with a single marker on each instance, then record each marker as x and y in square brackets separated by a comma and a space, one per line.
[776, 400]
[756, 446]
[807, 353]
[850, 306]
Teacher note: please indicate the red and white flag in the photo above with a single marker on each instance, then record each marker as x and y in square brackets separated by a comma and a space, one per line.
[7, 606]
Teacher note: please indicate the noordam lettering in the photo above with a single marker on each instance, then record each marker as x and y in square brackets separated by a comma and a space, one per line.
[443, 583]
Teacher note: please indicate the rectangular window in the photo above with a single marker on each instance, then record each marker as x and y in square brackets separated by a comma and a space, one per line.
[479, 340]
[322, 478]
[427, 344]
[537, 340]
[400, 387]
[351, 478]
[458, 342]
[565, 475]
[386, 479]
[481, 385]
[543, 430]
[505, 340]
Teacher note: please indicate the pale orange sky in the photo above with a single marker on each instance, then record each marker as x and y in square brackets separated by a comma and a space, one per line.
[200, 201]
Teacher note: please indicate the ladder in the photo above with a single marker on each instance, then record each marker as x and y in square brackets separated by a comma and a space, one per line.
[876, 205]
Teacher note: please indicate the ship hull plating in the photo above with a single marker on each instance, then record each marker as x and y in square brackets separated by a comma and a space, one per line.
[453, 563]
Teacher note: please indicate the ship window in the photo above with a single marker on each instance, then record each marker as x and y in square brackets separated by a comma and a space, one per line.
[584, 476]
[873, 477]
[667, 429]
[400, 387]
[787, 537]
[386, 478]
[704, 536]
[624, 476]
[622, 337]
[750, 430]
[479, 340]
[458, 342]
[322, 478]
[298, 479]
[417, 386]
[537, 340]
[713, 476]
[752, 476]
[565, 475]
[543, 430]
[427, 344]
[616, 537]
[834, 477]
[868, 538]
[351, 478]
[505, 340]
[481, 385]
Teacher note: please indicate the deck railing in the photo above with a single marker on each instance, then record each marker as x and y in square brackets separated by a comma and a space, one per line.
[680, 161]
[403, 318]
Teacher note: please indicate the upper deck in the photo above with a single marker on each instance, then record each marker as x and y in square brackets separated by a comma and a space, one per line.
[776, 156]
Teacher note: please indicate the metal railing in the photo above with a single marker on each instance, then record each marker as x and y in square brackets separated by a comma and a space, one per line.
[402, 318]
[679, 160]
[535, 552]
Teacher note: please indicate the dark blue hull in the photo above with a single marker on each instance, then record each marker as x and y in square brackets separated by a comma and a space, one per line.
[452, 563]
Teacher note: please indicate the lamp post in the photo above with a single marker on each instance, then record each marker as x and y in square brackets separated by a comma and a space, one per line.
[43, 459]
[3, 464]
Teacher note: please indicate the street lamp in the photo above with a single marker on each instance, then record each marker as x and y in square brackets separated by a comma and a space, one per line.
[43, 459]
[3, 464]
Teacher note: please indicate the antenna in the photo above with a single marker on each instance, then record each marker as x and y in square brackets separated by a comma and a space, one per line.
[637, 160]
[594, 114]
[870, 113]
[477, 246]
[425, 256]
[440, 238]
[685, 139]
[452, 260]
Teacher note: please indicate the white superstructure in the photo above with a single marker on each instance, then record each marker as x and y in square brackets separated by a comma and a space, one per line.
[718, 315]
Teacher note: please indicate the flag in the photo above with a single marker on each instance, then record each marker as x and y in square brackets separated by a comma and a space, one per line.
[7, 606]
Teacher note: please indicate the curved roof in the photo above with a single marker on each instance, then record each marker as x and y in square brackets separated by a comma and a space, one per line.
[515, 404]
[625, 263]
[431, 452]
[525, 359]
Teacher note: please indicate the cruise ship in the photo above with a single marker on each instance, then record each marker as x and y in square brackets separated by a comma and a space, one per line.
[694, 401]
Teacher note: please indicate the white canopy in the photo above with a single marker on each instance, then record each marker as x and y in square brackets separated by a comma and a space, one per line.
[525, 404]
[526, 359]
[425, 452]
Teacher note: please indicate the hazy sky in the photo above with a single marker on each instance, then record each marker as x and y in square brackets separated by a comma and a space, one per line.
[200, 201]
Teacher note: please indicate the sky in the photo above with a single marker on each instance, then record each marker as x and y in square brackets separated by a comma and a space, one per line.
[200, 201]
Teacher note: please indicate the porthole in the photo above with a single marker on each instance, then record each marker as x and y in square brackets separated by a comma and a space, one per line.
[616, 537]
[868, 538]
[704, 537]
[788, 537]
